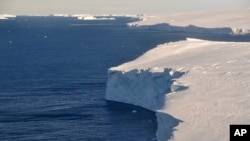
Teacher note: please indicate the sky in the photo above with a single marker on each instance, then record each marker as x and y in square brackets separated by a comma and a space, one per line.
[45, 7]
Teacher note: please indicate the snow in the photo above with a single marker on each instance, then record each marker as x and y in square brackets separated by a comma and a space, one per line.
[196, 87]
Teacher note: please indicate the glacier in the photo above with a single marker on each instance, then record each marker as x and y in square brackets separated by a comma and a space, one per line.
[196, 87]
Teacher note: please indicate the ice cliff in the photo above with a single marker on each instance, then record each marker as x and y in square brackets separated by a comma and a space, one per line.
[149, 85]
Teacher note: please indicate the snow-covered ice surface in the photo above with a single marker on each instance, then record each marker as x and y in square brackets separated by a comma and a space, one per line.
[197, 87]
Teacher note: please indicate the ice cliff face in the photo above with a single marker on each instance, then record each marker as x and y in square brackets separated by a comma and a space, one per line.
[142, 87]
[146, 88]
[191, 29]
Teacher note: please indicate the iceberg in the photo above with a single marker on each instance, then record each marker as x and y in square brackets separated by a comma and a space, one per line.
[196, 87]
[6, 16]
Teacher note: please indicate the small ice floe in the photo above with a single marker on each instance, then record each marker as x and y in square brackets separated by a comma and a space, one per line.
[45, 36]
[10, 42]
[133, 111]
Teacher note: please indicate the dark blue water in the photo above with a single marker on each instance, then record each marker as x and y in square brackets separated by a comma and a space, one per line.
[53, 74]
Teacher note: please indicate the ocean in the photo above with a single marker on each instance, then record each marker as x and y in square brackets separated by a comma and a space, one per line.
[53, 73]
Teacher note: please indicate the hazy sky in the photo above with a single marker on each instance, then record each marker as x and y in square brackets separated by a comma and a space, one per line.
[115, 6]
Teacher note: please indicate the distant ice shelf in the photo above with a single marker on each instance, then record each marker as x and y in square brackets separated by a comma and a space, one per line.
[79, 16]
[235, 22]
